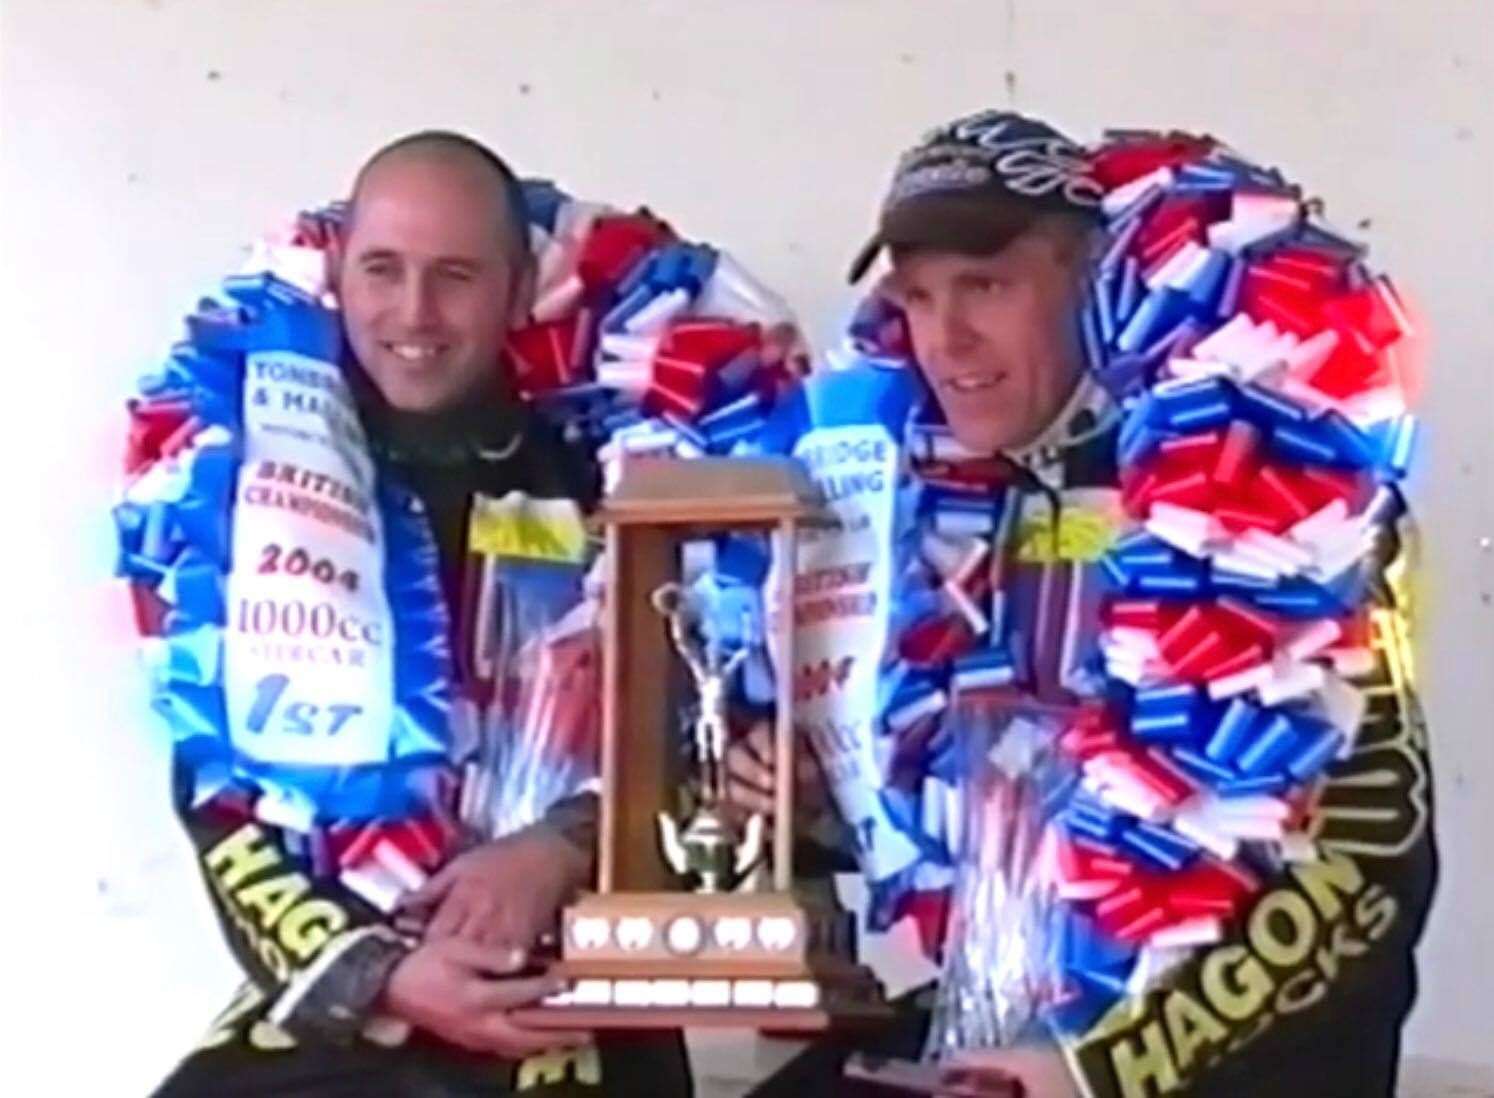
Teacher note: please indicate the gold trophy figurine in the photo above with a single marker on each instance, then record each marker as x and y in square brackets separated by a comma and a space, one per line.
[708, 850]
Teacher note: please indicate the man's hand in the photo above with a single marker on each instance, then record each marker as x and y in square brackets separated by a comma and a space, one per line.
[749, 775]
[504, 894]
[1041, 1068]
[457, 990]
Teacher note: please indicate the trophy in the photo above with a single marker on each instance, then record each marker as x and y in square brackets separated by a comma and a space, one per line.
[694, 921]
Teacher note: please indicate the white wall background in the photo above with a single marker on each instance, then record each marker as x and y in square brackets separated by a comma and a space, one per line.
[144, 141]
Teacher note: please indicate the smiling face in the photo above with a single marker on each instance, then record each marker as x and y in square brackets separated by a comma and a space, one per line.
[428, 284]
[996, 336]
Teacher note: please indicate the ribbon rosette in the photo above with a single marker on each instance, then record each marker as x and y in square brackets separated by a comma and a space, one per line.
[643, 343]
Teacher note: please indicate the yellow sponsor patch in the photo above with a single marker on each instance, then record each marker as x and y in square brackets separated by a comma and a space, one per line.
[530, 529]
[1081, 536]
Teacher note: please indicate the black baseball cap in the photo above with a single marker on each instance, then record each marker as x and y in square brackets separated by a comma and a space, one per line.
[975, 184]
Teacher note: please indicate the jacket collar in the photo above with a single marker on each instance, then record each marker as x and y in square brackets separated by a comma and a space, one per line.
[487, 425]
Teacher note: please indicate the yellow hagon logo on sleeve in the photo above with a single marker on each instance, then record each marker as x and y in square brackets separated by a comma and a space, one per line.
[1294, 943]
[1295, 940]
[269, 903]
[559, 1066]
[530, 529]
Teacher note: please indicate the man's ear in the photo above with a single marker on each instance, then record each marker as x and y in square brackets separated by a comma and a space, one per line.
[337, 250]
[521, 300]
[1082, 248]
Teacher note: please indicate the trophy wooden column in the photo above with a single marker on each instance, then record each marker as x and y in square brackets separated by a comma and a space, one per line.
[644, 950]
[636, 673]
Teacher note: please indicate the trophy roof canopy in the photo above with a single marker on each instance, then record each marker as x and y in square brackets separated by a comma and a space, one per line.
[723, 491]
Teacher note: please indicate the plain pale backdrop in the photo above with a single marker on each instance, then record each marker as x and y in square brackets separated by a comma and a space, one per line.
[145, 142]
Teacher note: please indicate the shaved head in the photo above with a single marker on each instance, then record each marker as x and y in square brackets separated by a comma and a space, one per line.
[459, 152]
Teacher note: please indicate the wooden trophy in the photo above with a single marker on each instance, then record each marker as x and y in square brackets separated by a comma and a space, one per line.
[676, 934]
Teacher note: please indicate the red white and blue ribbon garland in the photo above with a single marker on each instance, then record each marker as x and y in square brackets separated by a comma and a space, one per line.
[639, 343]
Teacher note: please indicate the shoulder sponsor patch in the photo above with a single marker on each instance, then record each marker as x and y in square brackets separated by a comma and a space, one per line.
[1082, 535]
[531, 529]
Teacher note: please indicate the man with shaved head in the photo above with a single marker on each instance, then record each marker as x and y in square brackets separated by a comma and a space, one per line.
[432, 270]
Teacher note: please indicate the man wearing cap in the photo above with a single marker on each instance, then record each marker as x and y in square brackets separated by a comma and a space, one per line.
[990, 229]
[433, 270]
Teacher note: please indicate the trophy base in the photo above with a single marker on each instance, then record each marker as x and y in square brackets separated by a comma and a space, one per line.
[790, 1021]
[665, 960]
[672, 1003]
